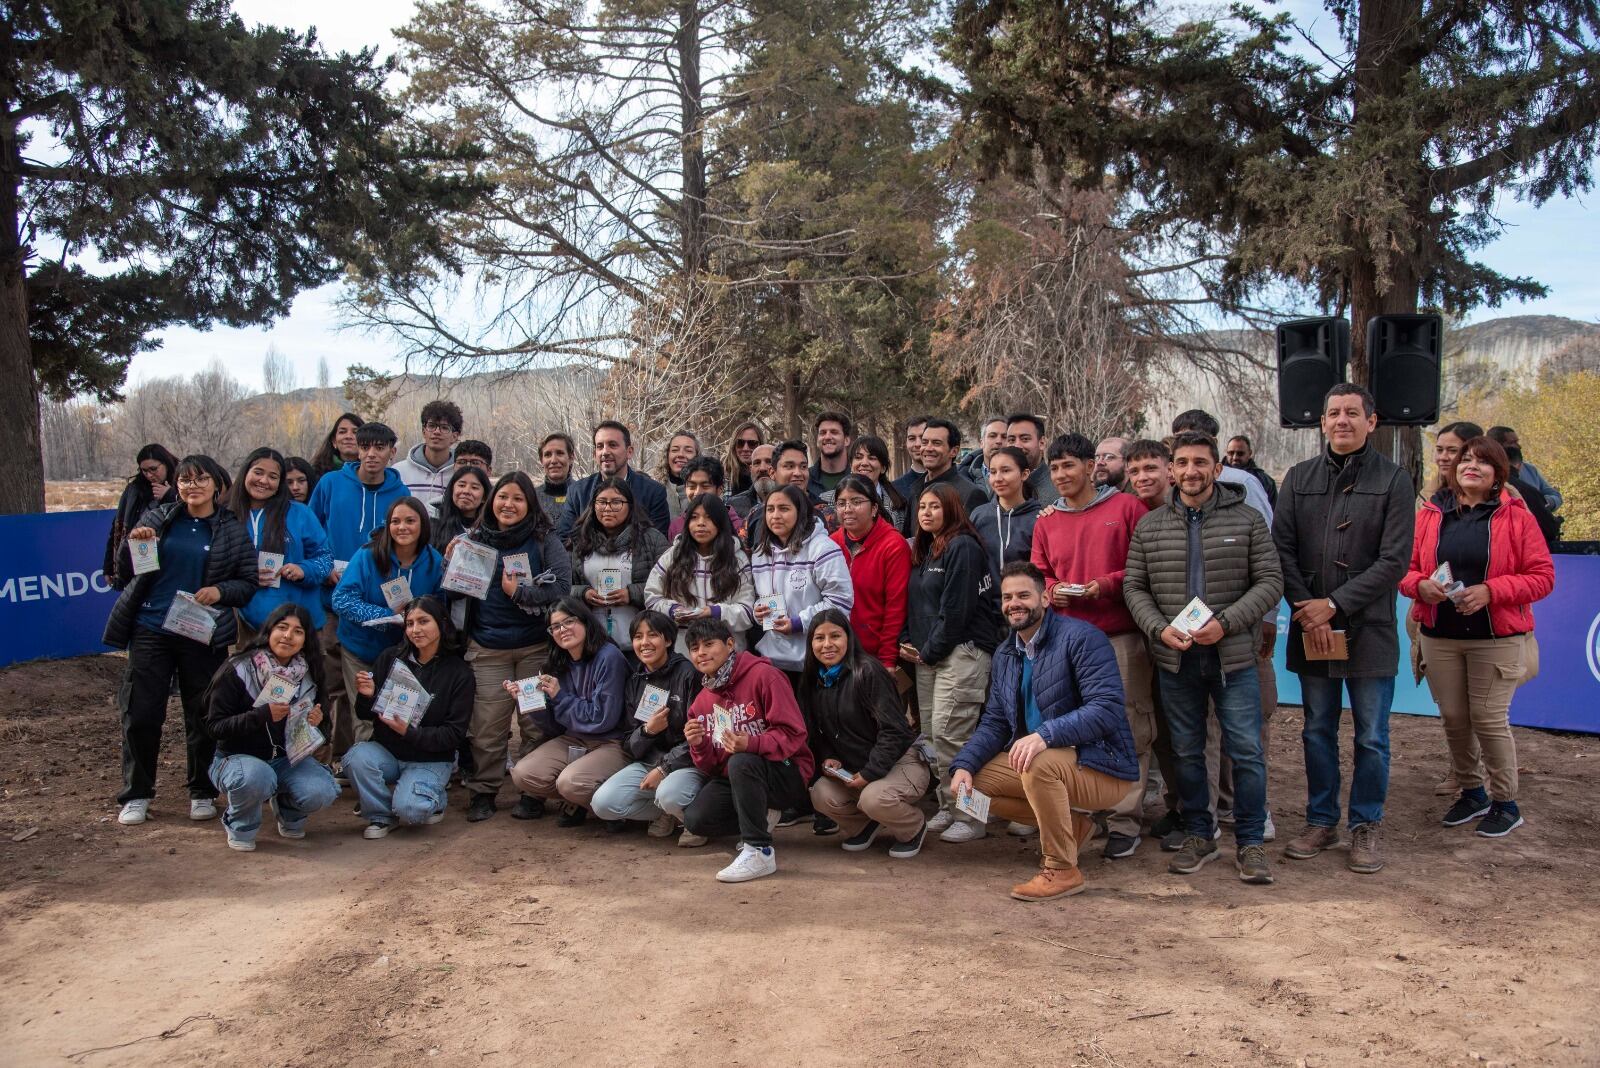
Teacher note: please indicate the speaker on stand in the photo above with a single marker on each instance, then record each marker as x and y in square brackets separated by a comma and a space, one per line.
[1404, 365]
[1312, 357]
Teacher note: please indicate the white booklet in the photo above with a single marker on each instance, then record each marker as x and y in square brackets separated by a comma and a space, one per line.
[529, 697]
[271, 565]
[402, 696]
[653, 700]
[849, 776]
[517, 566]
[974, 803]
[1195, 615]
[338, 570]
[611, 580]
[277, 690]
[721, 726]
[775, 610]
[1446, 578]
[190, 619]
[396, 592]
[146, 555]
[471, 569]
[384, 621]
[300, 738]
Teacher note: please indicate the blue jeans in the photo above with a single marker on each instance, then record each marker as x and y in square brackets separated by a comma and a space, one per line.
[250, 782]
[1237, 697]
[1369, 707]
[619, 797]
[392, 789]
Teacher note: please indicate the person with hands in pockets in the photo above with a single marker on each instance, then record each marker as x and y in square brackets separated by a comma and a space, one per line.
[253, 764]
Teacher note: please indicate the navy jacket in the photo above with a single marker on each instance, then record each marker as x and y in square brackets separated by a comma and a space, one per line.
[1079, 691]
[648, 495]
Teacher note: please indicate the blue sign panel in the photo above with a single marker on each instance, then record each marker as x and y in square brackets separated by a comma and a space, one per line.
[54, 599]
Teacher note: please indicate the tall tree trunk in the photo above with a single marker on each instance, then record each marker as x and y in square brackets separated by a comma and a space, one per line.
[692, 107]
[22, 461]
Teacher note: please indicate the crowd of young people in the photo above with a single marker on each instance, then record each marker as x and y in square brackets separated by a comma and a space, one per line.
[1025, 634]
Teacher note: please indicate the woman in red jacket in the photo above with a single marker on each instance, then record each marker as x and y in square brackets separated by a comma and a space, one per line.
[880, 568]
[1477, 624]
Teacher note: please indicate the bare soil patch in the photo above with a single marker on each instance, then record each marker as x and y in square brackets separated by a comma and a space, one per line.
[505, 942]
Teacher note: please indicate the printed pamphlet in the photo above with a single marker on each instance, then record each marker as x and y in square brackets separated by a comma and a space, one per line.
[529, 697]
[396, 592]
[271, 565]
[402, 696]
[776, 610]
[1195, 615]
[277, 690]
[721, 726]
[190, 619]
[516, 565]
[841, 774]
[300, 738]
[974, 803]
[611, 580]
[471, 569]
[146, 555]
[653, 700]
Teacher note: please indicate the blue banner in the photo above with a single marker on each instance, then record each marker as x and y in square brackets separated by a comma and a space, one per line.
[54, 599]
[1566, 693]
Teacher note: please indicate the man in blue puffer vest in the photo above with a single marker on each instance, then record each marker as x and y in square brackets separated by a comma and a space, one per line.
[1053, 743]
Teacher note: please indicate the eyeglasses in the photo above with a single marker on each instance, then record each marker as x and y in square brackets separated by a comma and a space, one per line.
[152, 470]
[608, 503]
[850, 504]
[1108, 456]
[563, 626]
[437, 426]
[472, 461]
[198, 480]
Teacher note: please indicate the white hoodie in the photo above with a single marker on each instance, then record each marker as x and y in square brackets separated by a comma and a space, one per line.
[809, 577]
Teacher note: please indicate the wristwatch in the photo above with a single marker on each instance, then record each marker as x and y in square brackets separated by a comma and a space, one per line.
[1332, 607]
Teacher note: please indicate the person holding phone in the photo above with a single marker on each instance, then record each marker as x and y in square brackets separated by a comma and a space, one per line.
[401, 773]
[253, 763]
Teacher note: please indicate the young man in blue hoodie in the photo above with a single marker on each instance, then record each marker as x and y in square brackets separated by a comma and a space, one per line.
[1053, 743]
[351, 503]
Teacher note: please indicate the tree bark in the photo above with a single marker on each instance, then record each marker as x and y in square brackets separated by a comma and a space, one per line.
[22, 461]
[692, 106]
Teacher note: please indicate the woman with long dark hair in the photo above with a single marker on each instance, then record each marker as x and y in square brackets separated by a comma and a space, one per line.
[795, 563]
[856, 726]
[869, 458]
[339, 447]
[205, 567]
[952, 628]
[614, 540]
[300, 477]
[746, 438]
[583, 718]
[402, 771]
[461, 506]
[282, 528]
[150, 485]
[880, 568]
[507, 634]
[705, 574]
[256, 762]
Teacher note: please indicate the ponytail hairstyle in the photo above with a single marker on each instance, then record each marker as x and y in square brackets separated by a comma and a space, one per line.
[1020, 458]
[682, 558]
[274, 510]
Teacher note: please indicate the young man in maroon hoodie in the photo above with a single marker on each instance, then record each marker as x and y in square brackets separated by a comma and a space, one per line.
[757, 764]
[1081, 548]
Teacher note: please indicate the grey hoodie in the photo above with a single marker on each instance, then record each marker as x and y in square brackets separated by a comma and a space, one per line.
[424, 481]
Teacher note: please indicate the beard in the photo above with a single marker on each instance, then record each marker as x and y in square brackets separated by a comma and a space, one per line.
[764, 487]
[1034, 616]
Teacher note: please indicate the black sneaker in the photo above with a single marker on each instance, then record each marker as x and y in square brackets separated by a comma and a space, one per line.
[1465, 810]
[857, 842]
[528, 808]
[1253, 865]
[789, 817]
[1121, 846]
[912, 846]
[1172, 841]
[822, 826]
[1166, 825]
[481, 807]
[616, 826]
[1501, 821]
[1196, 853]
[572, 816]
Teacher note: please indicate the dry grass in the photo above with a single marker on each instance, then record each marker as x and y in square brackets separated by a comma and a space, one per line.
[81, 496]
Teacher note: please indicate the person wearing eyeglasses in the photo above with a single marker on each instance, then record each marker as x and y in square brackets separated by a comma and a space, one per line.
[614, 539]
[426, 470]
[204, 552]
[1110, 469]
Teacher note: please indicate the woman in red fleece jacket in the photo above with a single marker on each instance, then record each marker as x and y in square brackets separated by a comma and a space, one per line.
[1477, 624]
[747, 736]
[880, 568]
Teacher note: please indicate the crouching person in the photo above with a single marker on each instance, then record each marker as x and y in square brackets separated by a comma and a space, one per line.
[1053, 744]
[662, 780]
[253, 730]
[746, 735]
[871, 775]
[402, 771]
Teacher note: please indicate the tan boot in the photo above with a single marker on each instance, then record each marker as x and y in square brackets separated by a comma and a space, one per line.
[1311, 841]
[1050, 883]
[1366, 858]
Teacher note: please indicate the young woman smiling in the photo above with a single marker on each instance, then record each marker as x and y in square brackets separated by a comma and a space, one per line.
[252, 764]
[705, 574]
[613, 535]
[277, 524]
[880, 568]
[1005, 523]
[461, 506]
[794, 560]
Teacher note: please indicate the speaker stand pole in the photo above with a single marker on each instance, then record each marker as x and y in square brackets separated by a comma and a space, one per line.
[1403, 445]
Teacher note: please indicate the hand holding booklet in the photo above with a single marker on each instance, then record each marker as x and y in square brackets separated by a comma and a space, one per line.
[301, 739]
[974, 803]
[269, 567]
[402, 696]
[653, 700]
[471, 569]
[190, 619]
[1195, 615]
[146, 555]
[529, 697]
[1446, 578]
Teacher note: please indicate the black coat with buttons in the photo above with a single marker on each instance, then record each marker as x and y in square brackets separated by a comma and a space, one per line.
[1343, 531]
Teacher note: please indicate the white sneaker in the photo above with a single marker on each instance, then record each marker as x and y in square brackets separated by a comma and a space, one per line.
[751, 863]
[1021, 830]
[662, 826]
[1270, 834]
[437, 817]
[241, 845]
[375, 831]
[202, 808]
[941, 819]
[964, 831]
[134, 812]
[286, 831]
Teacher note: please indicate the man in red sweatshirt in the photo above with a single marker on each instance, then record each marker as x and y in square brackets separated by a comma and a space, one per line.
[747, 736]
[1081, 548]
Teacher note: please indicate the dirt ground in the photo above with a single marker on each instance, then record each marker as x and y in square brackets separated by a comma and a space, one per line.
[82, 496]
[505, 942]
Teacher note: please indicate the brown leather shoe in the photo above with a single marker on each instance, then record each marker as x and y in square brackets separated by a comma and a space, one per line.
[1311, 841]
[1050, 883]
[1366, 858]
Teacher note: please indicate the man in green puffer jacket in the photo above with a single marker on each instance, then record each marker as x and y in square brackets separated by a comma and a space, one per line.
[1206, 543]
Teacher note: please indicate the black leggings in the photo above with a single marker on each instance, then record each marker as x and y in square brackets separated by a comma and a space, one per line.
[739, 803]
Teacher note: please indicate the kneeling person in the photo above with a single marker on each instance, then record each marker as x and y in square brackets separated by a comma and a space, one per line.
[252, 764]
[401, 773]
[857, 726]
[758, 764]
[1053, 743]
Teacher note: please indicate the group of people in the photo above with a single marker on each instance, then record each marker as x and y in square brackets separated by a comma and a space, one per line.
[786, 633]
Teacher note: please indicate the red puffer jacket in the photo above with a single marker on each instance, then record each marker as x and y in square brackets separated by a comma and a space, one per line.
[1520, 571]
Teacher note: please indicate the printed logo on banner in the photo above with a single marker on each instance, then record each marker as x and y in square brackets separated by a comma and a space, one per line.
[1592, 646]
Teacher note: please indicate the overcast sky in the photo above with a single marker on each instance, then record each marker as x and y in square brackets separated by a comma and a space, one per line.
[1555, 244]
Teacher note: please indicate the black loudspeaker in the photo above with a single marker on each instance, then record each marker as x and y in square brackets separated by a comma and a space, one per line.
[1403, 353]
[1312, 357]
